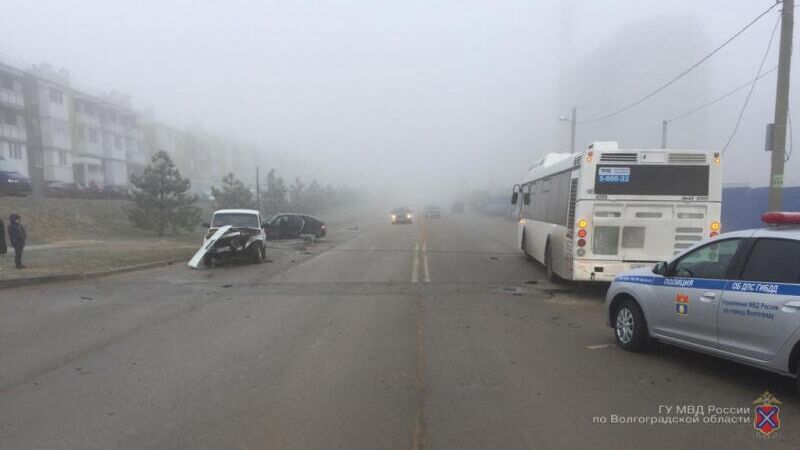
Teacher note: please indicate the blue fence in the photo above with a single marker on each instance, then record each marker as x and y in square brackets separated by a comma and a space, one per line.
[742, 206]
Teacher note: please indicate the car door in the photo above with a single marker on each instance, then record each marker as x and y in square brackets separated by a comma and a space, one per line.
[759, 312]
[686, 304]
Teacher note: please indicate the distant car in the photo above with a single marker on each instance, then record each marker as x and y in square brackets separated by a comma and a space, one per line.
[401, 215]
[11, 181]
[458, 207]
[433, 212]
[232, 232]
[293, 226]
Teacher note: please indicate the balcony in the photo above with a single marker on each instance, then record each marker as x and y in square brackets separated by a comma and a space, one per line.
[12, 98]
[12, 132]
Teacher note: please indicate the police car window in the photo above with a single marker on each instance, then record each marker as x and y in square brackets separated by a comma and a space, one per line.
[709, 261]
[776, 260]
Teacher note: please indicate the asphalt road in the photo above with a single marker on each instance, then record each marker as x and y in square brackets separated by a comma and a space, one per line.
[435, 335]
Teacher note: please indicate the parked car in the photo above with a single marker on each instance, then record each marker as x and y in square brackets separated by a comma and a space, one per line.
[401, 215]
[736, 296]
[232, 232]
[11, 181]
[62, 189]
[294, 225]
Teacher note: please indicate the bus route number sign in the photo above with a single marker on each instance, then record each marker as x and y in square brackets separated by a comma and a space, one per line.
[614, 174]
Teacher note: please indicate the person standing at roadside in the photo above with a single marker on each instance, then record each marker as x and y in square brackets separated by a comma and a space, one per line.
[3, 246]
[17, 236]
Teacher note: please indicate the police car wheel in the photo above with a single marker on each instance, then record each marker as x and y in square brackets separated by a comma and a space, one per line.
[256, 252]
[630, 328]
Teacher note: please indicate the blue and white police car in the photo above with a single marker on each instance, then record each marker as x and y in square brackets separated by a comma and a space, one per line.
[736, 295]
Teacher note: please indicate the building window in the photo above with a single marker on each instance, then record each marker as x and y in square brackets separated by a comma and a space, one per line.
[92, 135]
[56, 96]
[117, 141]
[81, 133]
[15, 150]
[6, 82]
[94, 168]
[8, 117]
[61, 127]
[62, 157]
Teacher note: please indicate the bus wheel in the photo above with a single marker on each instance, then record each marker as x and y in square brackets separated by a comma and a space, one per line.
[552, 276]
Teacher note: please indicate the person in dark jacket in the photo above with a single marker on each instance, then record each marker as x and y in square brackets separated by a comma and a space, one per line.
[3, 246]
[16, 237]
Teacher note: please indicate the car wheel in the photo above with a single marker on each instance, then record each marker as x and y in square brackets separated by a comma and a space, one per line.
[257, 252]
[630, 327]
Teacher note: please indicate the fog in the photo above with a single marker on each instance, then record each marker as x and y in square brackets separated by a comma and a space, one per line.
[414, 97]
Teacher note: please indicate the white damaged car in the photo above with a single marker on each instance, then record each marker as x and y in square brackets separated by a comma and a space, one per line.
[231, 233]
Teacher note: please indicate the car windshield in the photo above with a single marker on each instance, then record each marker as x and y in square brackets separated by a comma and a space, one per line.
[400, 211]
[237, 220]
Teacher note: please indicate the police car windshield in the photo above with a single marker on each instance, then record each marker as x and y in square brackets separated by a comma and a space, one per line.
[235, 220]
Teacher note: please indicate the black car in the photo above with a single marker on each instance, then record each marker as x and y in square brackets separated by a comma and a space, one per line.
[11, 181]
[293, 225]
[401, 215]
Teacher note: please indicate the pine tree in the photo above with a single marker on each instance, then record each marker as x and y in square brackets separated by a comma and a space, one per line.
[275, 197]
[160, 198]
[234, 194]
[297, 195]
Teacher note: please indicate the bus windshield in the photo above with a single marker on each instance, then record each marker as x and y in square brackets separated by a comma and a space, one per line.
[632, 179]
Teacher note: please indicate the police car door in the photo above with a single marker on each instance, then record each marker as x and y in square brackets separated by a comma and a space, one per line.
[761, 311]
[687, 302]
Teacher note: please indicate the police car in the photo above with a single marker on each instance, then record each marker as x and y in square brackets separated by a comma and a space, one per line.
[736, 295]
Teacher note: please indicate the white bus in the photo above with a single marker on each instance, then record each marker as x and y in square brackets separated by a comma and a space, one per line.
[593, 214]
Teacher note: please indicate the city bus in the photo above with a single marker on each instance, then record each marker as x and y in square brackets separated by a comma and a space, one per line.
[590, 215]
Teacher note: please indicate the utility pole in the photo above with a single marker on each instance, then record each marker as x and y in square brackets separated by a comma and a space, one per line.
[574, 123]
[258, 191]
[664, 133]
[781, 107]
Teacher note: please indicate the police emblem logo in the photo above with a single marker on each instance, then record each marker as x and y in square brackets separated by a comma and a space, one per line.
[682, 304]
[767, 414]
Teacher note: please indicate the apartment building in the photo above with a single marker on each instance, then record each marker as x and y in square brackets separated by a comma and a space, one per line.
[76, 135]
[13, 135]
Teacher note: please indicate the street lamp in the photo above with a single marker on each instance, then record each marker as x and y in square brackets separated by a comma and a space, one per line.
[573, 121]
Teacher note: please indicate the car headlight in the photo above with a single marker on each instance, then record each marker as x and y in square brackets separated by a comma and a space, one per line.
[408, 216]
[394, 216]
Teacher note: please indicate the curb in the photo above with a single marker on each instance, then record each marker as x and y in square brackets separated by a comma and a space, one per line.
[18, 282]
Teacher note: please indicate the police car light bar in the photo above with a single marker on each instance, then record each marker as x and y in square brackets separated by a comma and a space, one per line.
[781, 218]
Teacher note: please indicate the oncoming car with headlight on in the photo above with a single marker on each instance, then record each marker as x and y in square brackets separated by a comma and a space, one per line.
[232, 232]
[736, 296]
[401, 215]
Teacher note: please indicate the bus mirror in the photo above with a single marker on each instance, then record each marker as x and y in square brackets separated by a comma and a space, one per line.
[660, 268]
[526, 198]
[514, 198]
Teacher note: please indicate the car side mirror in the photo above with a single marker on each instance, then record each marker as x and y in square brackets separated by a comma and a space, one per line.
[661, 268]
[206, 224]
[514, 198]
[526, 198]
[265, 225]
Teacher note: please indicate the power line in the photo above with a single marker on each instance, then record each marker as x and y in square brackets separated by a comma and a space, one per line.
[684, 73]
[752, 86]
[723, 97]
